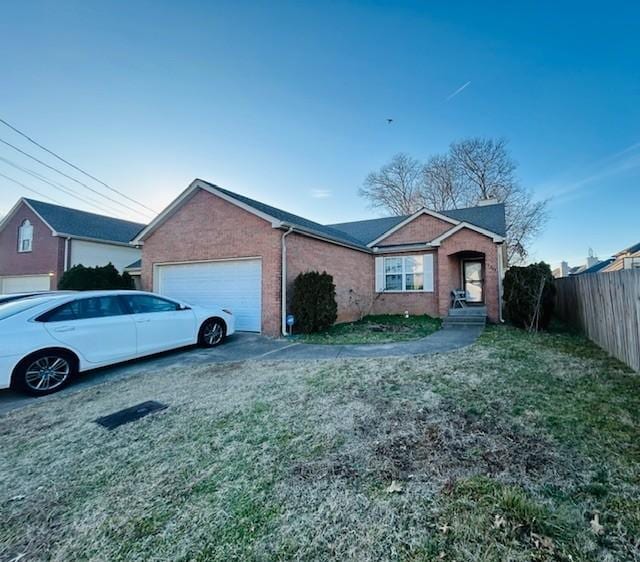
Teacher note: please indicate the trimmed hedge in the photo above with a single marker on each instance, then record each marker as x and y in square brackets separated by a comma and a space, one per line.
[314, 302]
[81, 278]
[529, 296]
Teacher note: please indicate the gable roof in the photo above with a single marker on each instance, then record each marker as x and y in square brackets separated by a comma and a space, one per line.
[487, 217]
[630, 250]
[357, 234]
[368, 230]
[289, 219]
[81, 224]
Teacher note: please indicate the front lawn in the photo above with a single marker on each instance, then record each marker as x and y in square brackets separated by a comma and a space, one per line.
[383, 328]
[517, 448]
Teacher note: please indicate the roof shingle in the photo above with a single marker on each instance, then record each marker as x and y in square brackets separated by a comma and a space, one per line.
[86, 225]
[361, 233]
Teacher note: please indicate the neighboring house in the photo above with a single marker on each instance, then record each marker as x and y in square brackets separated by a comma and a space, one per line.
[135, 270]
[215, 246]
[565, 270]
[629, 258]
[597, 267]
[40, 241]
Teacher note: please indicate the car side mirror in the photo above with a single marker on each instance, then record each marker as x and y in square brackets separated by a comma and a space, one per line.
[183, 307]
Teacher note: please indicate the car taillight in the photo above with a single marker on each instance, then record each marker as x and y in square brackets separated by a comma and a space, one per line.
[227, 311]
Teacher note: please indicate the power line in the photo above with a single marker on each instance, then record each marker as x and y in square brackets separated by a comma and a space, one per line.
[60, 187]
[69, 177]
[30, 189]
[76, 167]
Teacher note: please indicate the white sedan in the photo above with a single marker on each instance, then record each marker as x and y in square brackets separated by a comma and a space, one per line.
[45, 340]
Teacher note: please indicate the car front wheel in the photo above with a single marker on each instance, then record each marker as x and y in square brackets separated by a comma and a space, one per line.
[44, 372]
[212, 332]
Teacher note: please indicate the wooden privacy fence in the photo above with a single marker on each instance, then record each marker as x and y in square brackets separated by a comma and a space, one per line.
[606, 307]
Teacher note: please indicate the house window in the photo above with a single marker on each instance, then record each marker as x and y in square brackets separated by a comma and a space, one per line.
[403, 273]
[25, 236]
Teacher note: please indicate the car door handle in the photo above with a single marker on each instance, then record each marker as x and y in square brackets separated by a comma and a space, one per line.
[142, 321]
[64, 329]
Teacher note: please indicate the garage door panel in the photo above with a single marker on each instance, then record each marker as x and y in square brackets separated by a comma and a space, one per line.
[235, 284]
[24, 284]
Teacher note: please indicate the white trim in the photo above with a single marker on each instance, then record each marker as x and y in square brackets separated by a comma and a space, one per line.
[201, 184]
[184, 196]
[283, 281]
[65, 266]
[404, 248]
[96, 240]
[500, 280]
[381, 274]
[14, 210]
[302, 232]
[495, 237]
[419, 213]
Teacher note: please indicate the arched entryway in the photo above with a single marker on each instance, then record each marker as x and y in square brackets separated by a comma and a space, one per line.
[468, 269]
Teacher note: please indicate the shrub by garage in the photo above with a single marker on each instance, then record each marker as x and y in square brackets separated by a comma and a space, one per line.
[81, 278]
[314, 302]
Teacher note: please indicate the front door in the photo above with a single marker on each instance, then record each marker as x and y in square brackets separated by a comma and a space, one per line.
[473, 281]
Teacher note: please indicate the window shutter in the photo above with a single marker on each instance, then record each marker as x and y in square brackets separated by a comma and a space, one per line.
[427, 268]
[379, 274]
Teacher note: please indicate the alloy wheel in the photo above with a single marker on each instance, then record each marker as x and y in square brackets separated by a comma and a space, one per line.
[47, 373]
[213, 333]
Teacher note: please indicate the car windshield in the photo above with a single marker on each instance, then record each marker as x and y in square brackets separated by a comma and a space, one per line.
[15, 307]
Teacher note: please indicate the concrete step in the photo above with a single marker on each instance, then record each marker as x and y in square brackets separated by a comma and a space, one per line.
[450, 321]
[468, 311]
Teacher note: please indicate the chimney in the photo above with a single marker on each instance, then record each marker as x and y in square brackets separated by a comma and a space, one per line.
[487, 201]
[564, 269]
[592, 260]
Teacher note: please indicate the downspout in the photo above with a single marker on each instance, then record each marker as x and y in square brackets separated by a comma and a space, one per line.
[283, 271]
[66, 254]
[500, 279]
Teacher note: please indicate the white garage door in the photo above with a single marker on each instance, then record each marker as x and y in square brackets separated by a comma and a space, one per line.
[236, 285]
[24, 284]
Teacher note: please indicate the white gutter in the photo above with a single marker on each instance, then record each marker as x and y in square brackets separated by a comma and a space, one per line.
[66, 254]
[283, 271]
[500, 279]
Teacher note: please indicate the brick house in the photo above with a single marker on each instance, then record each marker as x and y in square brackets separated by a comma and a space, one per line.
[40, 241]
[215, 246]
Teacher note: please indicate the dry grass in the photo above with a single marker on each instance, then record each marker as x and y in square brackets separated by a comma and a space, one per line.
[503, 451]
[380, 328]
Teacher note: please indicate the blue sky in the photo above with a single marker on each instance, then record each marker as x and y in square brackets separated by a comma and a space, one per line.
[287, 101]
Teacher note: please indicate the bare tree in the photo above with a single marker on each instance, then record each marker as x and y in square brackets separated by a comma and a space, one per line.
[440, 186]
[485, 167]
[395, 187]
[487, 170]
[472, 170]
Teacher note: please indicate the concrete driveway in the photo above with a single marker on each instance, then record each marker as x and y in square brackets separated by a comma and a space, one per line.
[246, 346]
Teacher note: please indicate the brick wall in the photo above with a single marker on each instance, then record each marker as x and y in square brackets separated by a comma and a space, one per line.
[353, 272]
[449, 277]
[414, 303]
[47, 255]
[207, 228]
[421, 229]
